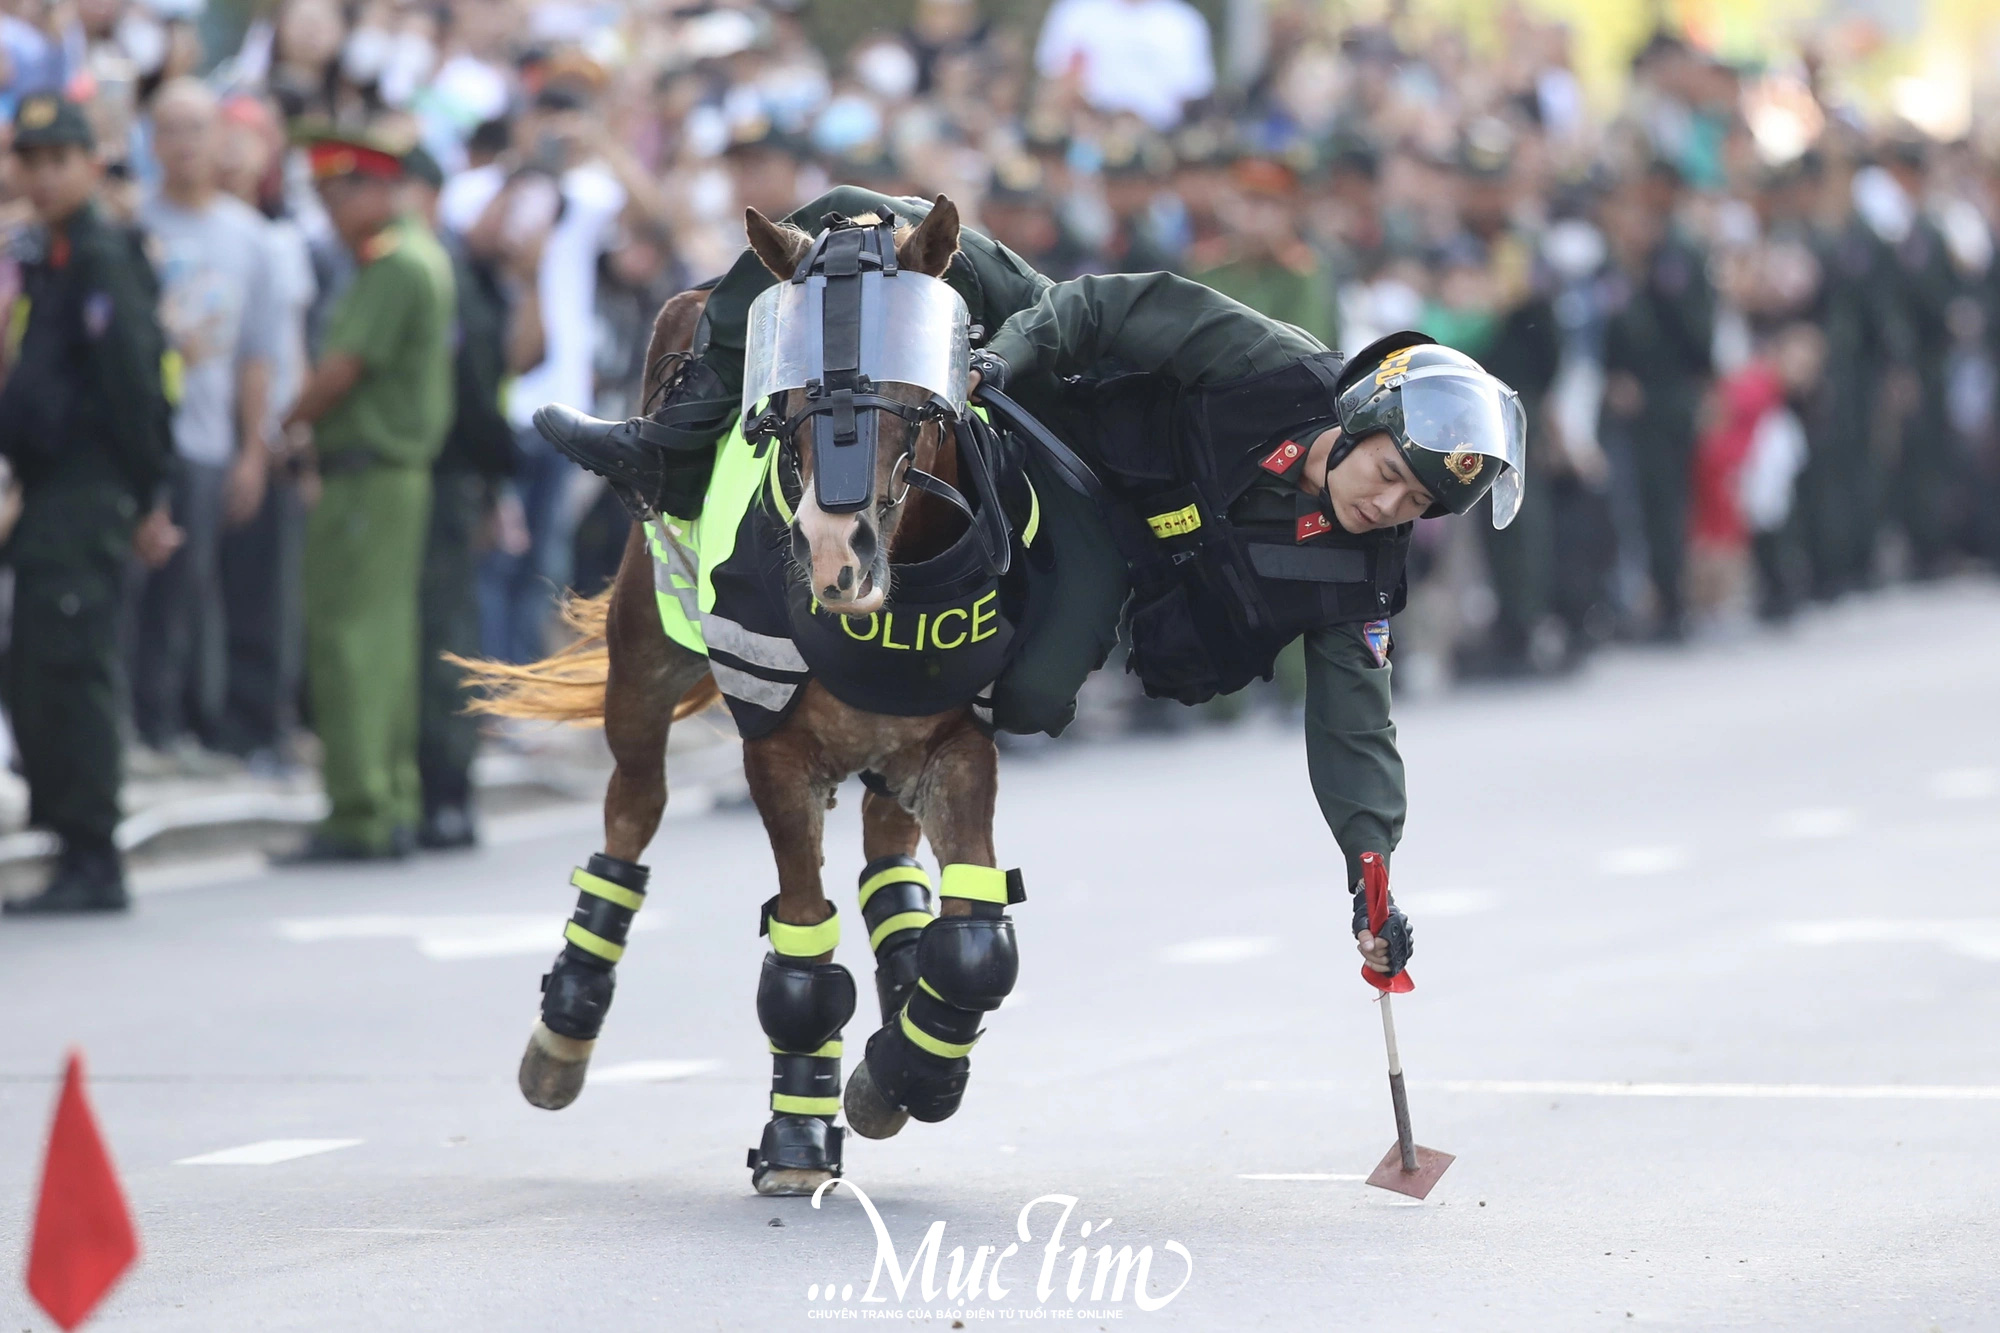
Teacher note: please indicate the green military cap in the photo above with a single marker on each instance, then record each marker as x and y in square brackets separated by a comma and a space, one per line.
[45, 120]
[1046, 132]
[1486, 150]
[1016, 179]
[1131, 154]
[1207, 143]
[759, 133]
[334, 152]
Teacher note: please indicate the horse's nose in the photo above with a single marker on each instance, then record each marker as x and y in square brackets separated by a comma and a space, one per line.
[863, 544]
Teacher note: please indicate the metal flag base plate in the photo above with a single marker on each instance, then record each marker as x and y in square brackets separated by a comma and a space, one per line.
[1418, 1183]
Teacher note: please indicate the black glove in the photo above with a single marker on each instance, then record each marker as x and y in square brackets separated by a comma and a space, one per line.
[992, 369]
[1397, 930]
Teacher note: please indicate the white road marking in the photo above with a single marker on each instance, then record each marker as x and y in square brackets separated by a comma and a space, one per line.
[1447, 902]
[1965, 784]
[1970, 937]
[447, 938]
[1295, 1175]
[1863, 1092]
[377, 1231]
[1220, 949]
[269, 1152]
[1915, 1092]
[652, 1071]
[1821, 822]
[1643, 860]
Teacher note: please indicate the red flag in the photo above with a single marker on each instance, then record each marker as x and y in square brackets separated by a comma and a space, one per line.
[1375, 884]
[84, 1239]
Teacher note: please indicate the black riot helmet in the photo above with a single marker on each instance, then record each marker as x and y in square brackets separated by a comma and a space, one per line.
[1460, 429]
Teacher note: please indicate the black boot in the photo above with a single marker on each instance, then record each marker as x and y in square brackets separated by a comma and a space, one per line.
[89, 877]
[657, 463]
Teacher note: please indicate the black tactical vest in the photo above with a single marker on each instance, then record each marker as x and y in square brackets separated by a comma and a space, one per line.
[1214, 601]
[948, 631]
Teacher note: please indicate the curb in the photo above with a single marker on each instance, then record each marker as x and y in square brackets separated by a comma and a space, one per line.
[702, 776]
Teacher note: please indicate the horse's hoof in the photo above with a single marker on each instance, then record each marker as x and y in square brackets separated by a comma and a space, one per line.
[868, 1111]
[789, 1180]
[552, 1068]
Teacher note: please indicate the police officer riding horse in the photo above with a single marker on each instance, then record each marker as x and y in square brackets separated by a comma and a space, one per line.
[892, 557]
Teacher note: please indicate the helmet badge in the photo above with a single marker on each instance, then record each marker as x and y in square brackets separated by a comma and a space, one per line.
[1464, 464]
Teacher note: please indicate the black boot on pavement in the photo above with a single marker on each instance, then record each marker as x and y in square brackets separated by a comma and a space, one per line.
[323, 849]
[89, 877]
[447, 828]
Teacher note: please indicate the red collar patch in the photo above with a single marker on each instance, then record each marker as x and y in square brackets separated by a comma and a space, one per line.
[1312, 525]
[1283, 458]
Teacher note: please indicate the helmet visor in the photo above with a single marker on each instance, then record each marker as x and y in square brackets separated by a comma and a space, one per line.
[1449, 411]
[913, 331]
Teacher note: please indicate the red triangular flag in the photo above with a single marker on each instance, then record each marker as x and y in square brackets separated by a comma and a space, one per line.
[84, 1238]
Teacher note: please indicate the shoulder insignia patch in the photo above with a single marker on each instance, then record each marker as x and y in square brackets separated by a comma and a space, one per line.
[1281, 459]
[1312, 525]
[1464, 464]
[97, 308]
[1377, 634]
[385, 243]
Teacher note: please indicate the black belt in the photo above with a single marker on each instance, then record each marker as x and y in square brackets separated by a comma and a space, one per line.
[348, 462]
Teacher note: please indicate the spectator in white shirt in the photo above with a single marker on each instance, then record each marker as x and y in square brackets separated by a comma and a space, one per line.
[1148, 57]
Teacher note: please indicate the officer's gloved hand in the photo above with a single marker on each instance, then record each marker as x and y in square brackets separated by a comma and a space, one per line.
[1390, 951]
[986, 369]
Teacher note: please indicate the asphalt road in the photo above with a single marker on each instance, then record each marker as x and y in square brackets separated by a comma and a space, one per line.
[1708, 995]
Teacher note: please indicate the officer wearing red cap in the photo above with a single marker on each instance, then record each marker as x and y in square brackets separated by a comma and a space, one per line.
[378, 402]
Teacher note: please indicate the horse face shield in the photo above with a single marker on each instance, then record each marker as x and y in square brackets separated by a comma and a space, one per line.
[848, 324]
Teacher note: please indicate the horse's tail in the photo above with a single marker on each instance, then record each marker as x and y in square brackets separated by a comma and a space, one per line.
[568, 685]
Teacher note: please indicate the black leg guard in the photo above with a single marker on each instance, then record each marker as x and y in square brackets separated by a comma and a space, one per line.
[966, 965]
[576, 991]
[896, 905]
[802, 1005]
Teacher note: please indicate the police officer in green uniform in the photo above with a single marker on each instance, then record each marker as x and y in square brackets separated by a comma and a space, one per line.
[1267, 265]
[379, 401]
[1254, 493]
[1276, 491]
[84, 422]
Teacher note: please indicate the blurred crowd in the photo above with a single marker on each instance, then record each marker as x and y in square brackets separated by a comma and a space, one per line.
[1756, 330]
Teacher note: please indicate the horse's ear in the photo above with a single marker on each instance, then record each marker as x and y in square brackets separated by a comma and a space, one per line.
[780, 246]
[928, 246]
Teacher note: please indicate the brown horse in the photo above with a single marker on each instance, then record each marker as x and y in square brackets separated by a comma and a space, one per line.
[626, 672]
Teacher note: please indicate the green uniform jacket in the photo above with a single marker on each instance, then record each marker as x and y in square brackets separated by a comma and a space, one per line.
[1301, 297]
[1187, 333]
[396, 317]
